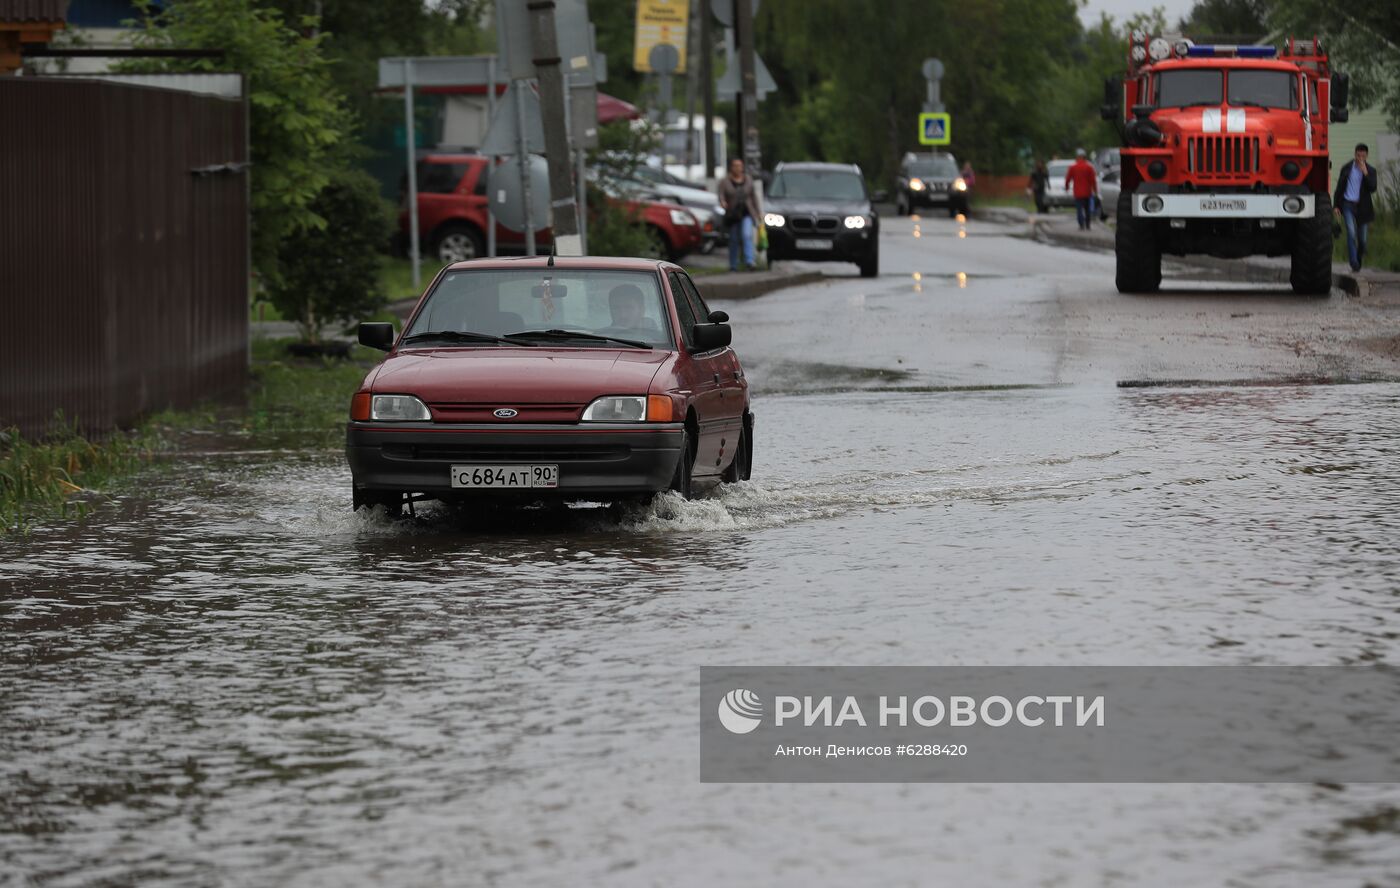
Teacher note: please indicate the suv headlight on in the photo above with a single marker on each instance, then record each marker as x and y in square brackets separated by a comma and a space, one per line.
[855, 221]
[398, 408]
[681, 217]
[959, 184]
[774, 220]
[916, 184]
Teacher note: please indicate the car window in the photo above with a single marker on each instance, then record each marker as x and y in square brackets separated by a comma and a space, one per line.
[1189, 87]
[683, 309]
[818, 185]
[702, 311]
[1272, 89]
[942, 167]
[435, 177]
[627, 304]
[479, 188]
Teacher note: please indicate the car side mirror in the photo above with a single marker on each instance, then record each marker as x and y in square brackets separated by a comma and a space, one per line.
[1340, 115]
[708, 337]
[719, 317]
[1112, 96]
[1341, 84]
[880, 196]
[377, 335]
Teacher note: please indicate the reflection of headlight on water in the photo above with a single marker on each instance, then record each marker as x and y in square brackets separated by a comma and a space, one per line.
[962, 233]
[962, 280]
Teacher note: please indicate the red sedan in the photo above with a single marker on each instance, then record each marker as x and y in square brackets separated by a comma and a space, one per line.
[572, 378]
[452, 214]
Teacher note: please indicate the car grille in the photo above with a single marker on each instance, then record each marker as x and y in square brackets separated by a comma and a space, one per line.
[813, 223]
[1224, 156]
[507, 453]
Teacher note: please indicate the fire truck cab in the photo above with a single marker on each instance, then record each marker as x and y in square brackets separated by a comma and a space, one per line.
[1224, 154]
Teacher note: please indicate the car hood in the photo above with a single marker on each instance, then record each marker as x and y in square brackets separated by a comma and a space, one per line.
[790, 205]
[507, 376]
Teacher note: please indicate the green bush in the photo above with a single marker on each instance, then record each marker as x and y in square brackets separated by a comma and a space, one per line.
[615, 230]
[331, 274]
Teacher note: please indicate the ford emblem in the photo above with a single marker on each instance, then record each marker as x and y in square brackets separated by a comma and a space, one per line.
[507, 413]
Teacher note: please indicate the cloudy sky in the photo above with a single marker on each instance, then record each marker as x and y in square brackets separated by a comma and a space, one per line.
[1121, 9]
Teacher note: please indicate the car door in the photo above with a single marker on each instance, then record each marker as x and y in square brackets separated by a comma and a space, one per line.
[700, 373]
[728, 377]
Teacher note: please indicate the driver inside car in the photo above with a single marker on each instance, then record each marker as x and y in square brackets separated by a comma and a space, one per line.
[627, 304]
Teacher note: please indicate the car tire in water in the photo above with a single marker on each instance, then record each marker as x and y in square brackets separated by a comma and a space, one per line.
[741, 466]
[1311, 265]
[392, 501]
[685, 466]
[871, 266]
[457, 243]
[1137, 251]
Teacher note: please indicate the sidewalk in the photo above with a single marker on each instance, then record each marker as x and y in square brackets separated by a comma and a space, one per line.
[1061, 229]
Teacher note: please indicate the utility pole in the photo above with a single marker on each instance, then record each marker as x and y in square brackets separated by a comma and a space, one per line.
[545, 45]
[748, 93]
[707, 90]
[696, 10]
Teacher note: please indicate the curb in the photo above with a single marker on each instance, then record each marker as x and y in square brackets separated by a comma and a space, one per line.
[1234, 269]
[750, 285]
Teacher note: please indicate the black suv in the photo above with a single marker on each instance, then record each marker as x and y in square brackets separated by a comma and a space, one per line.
[929, 180]
[820, 211]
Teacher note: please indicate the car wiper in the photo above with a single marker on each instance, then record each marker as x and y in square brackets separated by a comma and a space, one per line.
[460, 336]
[1246, 103]
[1197, 105]
[578, 334]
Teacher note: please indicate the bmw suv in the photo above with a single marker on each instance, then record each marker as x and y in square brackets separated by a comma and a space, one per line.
[822, 211]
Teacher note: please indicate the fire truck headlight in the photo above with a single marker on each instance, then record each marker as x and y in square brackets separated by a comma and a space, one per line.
[1156, 169]
[1290, 170]
[1152, 204]
[1159, 49]
[1138, 54]
[1293, 204]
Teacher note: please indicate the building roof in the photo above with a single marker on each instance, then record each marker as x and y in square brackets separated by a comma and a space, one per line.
[33, 10]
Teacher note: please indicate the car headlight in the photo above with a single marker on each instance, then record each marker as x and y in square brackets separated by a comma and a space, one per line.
[617, 408]
[681, 217]
[774, 220]
[959, 184]
[855, 221]
[916, 184]
[398, 408]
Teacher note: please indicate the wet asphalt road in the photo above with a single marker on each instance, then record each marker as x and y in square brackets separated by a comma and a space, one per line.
[225, 678]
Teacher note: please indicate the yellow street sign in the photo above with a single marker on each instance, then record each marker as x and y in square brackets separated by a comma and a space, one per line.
[935, 129]
[660, 21]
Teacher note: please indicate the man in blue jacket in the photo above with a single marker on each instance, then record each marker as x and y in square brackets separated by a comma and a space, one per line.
[1355, 184]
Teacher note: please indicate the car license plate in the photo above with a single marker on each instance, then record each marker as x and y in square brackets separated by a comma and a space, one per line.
[1217, 205]
[505, 477]
[807, 243]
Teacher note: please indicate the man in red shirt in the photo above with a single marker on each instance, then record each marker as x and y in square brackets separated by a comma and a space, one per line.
[1084, 183]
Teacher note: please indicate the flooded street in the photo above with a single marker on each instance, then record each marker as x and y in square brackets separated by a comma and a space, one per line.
[984, 457]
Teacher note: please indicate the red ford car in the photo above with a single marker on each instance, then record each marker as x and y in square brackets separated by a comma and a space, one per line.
[452, 214]
[538, 379]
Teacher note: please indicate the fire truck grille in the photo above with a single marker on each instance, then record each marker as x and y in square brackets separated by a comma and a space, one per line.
[1225, 156]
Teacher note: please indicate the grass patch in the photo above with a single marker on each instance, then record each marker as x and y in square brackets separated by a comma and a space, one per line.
[1019, 201]
[396, 276]
[293, 403]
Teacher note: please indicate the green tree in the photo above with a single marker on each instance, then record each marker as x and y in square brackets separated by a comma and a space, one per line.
[1362, 41]
[298, 120]
[330, 274]
[1240, 19]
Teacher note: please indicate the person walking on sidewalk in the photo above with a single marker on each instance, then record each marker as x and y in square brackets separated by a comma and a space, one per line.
[1040, 180]
[1083, 183]
[740, 203]
[1352, 203]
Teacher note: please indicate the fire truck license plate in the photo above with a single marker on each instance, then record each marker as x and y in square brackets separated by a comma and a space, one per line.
[1215, 205]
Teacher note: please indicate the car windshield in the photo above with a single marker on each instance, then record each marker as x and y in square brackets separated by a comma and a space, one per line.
[621, 304]
[942, 167]
[1269, 89]
[818, 185]
[1190, 87]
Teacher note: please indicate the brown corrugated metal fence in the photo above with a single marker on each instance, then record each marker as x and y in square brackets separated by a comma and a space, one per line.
[123, 270]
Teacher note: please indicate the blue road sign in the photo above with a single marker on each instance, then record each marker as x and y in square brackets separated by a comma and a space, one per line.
[935, 129]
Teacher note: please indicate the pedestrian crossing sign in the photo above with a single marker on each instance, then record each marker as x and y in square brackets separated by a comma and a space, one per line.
[935, 129]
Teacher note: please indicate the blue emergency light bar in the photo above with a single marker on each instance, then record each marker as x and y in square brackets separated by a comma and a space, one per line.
[1244, 52]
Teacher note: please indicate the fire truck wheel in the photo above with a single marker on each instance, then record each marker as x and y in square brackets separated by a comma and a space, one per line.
[1311, 273]
[1138, 253]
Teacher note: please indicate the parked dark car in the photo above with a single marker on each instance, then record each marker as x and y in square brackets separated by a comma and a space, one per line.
[822, 211]
[930, 180]
[530, 379]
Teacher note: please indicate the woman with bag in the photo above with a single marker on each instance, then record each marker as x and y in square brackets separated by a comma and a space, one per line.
[741, 213]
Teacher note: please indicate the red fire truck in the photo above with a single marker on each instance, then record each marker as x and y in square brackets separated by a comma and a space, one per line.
[1224, 153]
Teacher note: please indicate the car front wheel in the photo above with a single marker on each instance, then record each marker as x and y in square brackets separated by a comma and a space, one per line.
[685, 465]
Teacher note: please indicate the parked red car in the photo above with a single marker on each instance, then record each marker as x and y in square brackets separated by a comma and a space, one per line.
[452, 214]
[529, 379]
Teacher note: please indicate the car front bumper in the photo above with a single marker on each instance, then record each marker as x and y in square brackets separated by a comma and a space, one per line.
[609, 460]
[1229, 205]
[846, 245]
